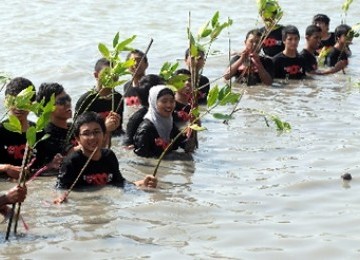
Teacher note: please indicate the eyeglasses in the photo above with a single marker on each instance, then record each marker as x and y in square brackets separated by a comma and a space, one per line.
[94, 133]
[62, 100]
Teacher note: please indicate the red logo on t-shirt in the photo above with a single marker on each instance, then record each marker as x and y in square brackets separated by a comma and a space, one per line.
[132, 101]
[98, 178]
[16, 151]
[161, 143]
[293, 70]
[270, 42]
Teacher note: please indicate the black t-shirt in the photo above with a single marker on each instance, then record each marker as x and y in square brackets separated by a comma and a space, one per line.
[133, 124]
[293, 68]
[147, 142]
[204, 84]
[334, 56]
[55, 143]
[309, 60]
[329, 42]
[130, 95]
[181, 112]
[101, 105]
[12, 146]
[253, 77]
[97, 173]
[273, 43]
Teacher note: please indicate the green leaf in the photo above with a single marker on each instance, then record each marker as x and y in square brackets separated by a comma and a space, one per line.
[124, 44]
[195, 112]
[212, 96]
[215, 19]
[203, 31]
[31, 136]
[222, 116]
[45, 136]
[13, 124]
[230, 98]
[116, 39]
[196, 127]
[104, 50]
[223, 92]
[178, 81]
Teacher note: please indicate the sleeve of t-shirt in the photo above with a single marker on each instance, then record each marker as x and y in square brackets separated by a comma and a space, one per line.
[118, 179]
[67, 174]
[82, 103]
[142, 141]
[131, 127]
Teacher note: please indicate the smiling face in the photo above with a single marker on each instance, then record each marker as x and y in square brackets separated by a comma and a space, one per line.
[90, 137]
[62, 106]
[165, 105]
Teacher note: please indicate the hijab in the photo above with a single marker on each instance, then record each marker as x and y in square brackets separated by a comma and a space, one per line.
[163, 125]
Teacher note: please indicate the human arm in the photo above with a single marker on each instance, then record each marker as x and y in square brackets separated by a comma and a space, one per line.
[112, 122]
[11, 170]
[144, 140]
[14, 195]
[235, 63]
[264, 75]
[148, 182]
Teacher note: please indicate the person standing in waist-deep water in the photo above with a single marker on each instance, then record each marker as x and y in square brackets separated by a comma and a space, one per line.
[248, 67]
[99, 100]
[103, 167]
[157, 130]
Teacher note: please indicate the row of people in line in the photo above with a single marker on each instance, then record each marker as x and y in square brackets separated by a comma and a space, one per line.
[251, 68]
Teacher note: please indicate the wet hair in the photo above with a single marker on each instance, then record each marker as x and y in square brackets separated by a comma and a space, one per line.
[139, 53]
[145, 84]
[312, 29]
[187, 53]
[165, 91]
[342, 29]
[101, 63]
[47, 89]
[290, 29]
[255, 32]
[18, 84]
[86, 118]
[321, 18]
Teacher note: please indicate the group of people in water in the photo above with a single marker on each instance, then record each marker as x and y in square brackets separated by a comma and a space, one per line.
[159, 111]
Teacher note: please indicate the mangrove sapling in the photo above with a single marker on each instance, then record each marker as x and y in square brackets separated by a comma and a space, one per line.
[23, 102]
[109, 77]
[345, 7]
[217, 97]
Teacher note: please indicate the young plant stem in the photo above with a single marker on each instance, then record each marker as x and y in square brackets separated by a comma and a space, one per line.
[178, 136]
[67, 193]
[136, 70]
[21, 183]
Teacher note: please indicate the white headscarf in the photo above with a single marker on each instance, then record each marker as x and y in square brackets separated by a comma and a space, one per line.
[163, 125]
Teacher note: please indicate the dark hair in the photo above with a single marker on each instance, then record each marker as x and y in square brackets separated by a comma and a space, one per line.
[255, 32]
[101, 63]
[321, 18]
[165, 91]
[88, 117]
[139, 53]
[18, 84]
[342, 29]
[312, 29]
[187, 53]
[290, 29]
[47, 89]
[182, 72]
[145, 84]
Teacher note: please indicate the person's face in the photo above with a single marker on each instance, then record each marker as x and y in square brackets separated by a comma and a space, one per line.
[139, 66]
[186, 90]
[314, 40]
[291, 42]
[199, 62]
[62, 106]
[323, 26]
[165, 105]
[20, 114]
[90, 136]
[251, 42]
